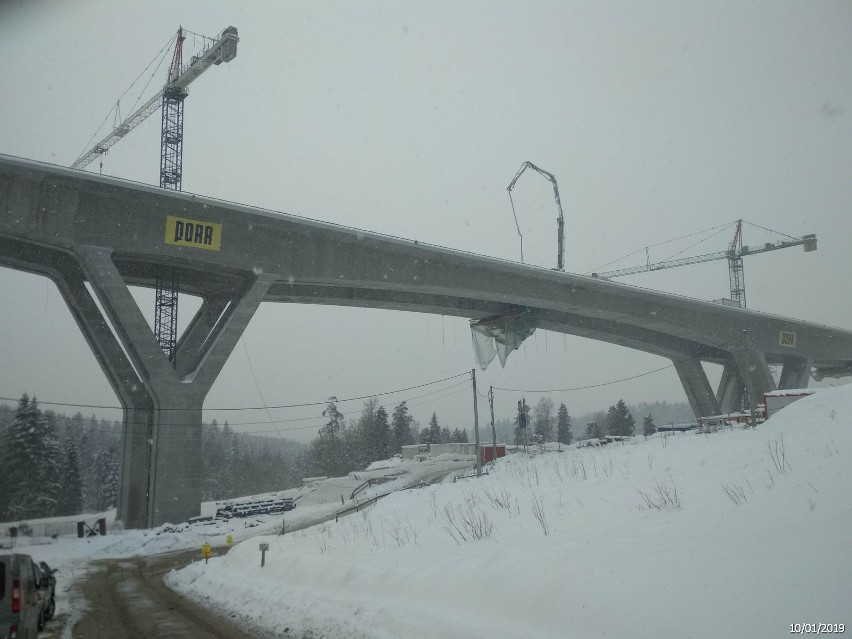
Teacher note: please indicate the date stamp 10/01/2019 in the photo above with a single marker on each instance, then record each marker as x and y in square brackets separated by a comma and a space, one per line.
[817, 628]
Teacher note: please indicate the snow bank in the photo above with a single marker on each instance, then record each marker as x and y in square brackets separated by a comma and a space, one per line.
[738, 533]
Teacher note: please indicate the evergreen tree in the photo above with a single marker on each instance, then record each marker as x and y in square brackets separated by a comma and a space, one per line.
[459, 436]
[432, 434]
[619, 421]
[52, 458]
[364, 443]
[543, 420]
[229, 471]
[30, 455]
[401, 434]
[505, 429]
[593, 431]
[520, 429]
[563, 425]
[106, 470]
[328, 451]
[382, 434]
[70, 501]
[648, 426]
[213, 461]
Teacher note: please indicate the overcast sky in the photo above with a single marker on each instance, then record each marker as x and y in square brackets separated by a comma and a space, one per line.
[658, 119]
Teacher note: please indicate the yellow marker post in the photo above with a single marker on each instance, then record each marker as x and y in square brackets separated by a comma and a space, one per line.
[205, 551]
[229, 540]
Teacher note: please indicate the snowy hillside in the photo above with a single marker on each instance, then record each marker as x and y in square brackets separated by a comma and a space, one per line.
[737, 533]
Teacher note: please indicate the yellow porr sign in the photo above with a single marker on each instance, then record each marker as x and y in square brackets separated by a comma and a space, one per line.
[181, 231]
[787, 338]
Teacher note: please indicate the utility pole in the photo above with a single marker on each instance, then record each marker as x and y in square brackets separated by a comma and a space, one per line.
[476, 423]
[493, 429]
[751, 399]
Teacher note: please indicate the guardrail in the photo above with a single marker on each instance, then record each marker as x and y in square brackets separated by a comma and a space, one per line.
[358, 507]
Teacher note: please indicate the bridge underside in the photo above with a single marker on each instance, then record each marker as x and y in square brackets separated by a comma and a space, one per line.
[96, 236]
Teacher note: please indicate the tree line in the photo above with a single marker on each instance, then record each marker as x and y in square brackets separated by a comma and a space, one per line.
[56, 465]
[340, 448]
[59, 465]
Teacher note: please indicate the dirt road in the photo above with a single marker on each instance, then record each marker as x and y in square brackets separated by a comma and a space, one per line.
[127, 599]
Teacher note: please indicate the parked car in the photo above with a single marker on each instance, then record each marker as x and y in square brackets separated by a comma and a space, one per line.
[46, 583]
[20, 600]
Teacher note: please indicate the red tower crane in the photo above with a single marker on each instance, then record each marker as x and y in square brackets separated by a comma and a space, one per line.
[170, 98]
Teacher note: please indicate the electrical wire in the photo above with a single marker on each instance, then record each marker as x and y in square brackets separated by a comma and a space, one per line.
[259, 393]
[576, 388]
[271, 420]
[723, 346]
[459, 387]
[240, 408]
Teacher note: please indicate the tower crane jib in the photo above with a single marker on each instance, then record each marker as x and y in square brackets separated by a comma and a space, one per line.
[734, 254]
[219, 50]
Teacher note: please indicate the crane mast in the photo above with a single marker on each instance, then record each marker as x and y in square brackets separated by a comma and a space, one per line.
[171, 172]
[171, 100]
[736, 277]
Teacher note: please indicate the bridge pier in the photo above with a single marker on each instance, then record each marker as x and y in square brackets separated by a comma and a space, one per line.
[161, 474]
[795, 373]
[135, 400]
[697, 387]
[729, 390]
[754, 372]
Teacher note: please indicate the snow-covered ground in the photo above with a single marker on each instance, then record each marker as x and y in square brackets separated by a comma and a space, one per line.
[739, 533]
[318, 501]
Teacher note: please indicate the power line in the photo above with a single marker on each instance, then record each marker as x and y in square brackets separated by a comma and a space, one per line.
[623, 379]
[454, 389]
[576, 388]
[459, 386]
[239, 408]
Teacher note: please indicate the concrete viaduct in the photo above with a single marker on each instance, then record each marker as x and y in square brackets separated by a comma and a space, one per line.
[79, 228]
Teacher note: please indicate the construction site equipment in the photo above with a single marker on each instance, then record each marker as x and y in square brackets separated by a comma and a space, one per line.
[560, 221]
[219, 50]
[170, 98]
[734, 254]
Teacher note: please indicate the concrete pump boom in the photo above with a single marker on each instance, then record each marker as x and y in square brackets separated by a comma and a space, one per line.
[560, 221]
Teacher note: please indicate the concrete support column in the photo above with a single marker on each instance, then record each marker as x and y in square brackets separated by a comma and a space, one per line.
[65, 272]
[754, 371]
[697, 387]
[795, 373]
[729, 390]
[172, 466]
